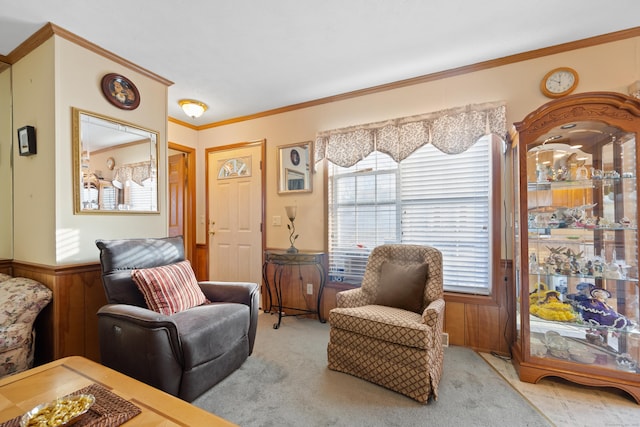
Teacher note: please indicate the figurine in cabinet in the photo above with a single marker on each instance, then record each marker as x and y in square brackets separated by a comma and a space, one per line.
[596, 311]
[551, 308]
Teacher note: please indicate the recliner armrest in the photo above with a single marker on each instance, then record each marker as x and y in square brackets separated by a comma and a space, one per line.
[246, 293]
[238, 292]
[434, 312]
[138, 315]
[153, 339]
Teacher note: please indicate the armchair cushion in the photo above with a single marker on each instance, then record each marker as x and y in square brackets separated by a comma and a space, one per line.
[387, 324]
[170, 288]
[409, 295]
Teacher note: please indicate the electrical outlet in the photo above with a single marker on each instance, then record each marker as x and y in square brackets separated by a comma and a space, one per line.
[445, 339]
[310, 288]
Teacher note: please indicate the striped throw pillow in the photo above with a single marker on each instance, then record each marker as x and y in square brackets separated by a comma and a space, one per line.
[169, 289]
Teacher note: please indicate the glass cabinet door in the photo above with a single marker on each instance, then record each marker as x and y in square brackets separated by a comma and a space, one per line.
[582, 246]
[576, 241]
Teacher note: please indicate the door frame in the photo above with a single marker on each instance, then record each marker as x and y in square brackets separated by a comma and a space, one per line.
[189, 200]
[262, 143]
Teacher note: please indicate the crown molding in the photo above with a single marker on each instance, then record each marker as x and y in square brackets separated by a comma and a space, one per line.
[181, 123]
[493, 63]
[50, 29]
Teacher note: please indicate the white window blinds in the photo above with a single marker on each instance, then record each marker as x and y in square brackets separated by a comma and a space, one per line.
[430, 198]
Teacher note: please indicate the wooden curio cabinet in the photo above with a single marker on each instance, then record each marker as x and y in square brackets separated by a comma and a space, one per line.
[576, 241]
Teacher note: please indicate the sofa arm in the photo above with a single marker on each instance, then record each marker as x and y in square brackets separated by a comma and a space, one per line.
[239, 292]
[153, 337]
[14, 336]
[434, 313]
[352, 298]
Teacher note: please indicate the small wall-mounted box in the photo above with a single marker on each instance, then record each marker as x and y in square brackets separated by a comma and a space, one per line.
[27, 140]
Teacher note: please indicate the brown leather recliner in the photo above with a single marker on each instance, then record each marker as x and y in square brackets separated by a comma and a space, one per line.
[185, 353]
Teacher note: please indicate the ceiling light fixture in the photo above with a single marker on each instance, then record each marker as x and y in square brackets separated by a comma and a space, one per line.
[193, 108]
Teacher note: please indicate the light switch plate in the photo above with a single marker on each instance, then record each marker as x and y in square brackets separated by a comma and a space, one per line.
[277, 220]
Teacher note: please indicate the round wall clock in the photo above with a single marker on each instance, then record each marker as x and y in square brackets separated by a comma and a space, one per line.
[559, 82]
[111, 163]
[120, 91]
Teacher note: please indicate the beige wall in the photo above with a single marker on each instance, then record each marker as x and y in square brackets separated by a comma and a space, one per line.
[608, 67]
[183, 135]
[47, 83]
[33, 176]
[6, 213]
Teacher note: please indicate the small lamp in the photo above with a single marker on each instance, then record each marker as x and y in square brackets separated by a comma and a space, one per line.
[193, 108]
[291, 214]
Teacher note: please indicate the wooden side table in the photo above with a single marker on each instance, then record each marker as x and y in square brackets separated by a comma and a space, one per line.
[280, 259]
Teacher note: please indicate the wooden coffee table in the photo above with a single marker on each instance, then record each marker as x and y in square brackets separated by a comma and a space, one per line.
[21, 392]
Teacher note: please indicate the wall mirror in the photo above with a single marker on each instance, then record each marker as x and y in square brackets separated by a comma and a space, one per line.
[115, 165]
[294, 168]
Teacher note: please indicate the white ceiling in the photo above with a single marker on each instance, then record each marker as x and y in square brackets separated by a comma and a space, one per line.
[243, 57]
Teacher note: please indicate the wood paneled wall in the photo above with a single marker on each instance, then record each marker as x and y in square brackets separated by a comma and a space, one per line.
[201, 262]
[485, 324]
[69, 324]
[5, 266]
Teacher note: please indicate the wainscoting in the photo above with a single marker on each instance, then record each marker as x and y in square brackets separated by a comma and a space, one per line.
[68, 325]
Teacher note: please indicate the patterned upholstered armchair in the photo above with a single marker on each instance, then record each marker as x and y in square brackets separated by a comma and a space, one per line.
[21, 300]
[389, 331]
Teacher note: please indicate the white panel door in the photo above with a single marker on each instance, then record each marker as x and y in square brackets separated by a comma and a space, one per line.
[235, 214]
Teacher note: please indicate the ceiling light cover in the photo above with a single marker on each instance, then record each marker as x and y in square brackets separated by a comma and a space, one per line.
[193, 108]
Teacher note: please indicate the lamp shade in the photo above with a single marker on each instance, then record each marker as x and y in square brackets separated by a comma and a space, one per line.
[291, 212]
[193, 108]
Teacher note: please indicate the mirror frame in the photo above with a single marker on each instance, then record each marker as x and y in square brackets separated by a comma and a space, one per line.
[76, 170]
[285, 161]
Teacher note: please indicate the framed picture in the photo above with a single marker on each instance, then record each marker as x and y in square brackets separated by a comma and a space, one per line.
[27, 140]
[295, 157]
[294, 168]
[120, 91]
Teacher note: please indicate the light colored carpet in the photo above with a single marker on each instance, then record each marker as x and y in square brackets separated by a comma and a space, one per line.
[286, 382]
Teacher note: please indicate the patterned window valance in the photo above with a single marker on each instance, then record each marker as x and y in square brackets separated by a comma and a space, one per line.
[136, 172]
[452, 131]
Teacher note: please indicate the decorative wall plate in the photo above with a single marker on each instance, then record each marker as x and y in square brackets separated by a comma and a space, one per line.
[120, 91]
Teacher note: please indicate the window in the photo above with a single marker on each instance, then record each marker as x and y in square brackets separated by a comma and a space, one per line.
[141, 197]
[431, 198]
